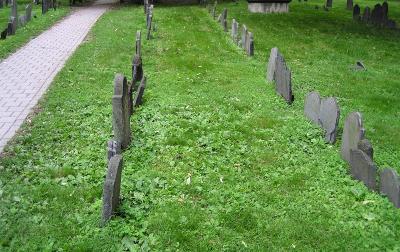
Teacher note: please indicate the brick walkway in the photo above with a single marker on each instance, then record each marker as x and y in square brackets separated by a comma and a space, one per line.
[26, 74]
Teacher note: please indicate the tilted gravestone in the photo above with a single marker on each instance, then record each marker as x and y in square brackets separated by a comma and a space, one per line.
[225, 14]
[244, 37]
[138, 43]
[283, 79]
[312, 107]
[353, 133]
[14, 10]
[350, 4]
[356, 12]
[390, 186]
[214, 10]
[250, 44]
[139, 93]
[272, 64]
[45, 6]
[12, 26]
[121, 116]
[362, 168]
[113, 148]
[234, 31]
[4, 34]
[28, 12]
[137, 69]
[366, 146]
[329, 115]
[366, 15]
[112, 188]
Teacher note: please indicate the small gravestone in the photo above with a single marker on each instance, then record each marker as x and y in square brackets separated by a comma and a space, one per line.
[149, 27]
[139, 94]
[366, 146]
[377, 15]
[366, 15]
[250, 44]
[234, 31]
[312, 107]
[390, 186]
[244, 37]
[353, 133]
[112, 188]
[283, 79]
[329, 115]
[362, 168]
[350, 4]
[113, 148]
[138, 43]
[4, 34]
[120, 112]
[329, 3]
[12, 26]
[356, 12]
[272, 64]
[391, 24]
[22, 20]
[28, 12]
[385, 12]
[225, 25]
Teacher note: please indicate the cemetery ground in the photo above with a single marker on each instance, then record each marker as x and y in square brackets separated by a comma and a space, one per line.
[31, 29]
[218, 161]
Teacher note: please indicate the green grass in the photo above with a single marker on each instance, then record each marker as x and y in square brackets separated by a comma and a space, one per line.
[261, 177]
[32, 29]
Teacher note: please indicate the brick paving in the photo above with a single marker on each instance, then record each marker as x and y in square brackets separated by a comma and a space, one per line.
[26, 74]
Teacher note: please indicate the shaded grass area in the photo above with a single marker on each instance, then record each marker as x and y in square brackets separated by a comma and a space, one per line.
[218, 161]
[32, 29]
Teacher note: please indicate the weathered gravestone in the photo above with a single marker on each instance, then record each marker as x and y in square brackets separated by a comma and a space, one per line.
[283, 79]
[121, 116]
[390, 186]
[138, 43]
[350, 4]
[28, 12]
[113, 148]
[329, 3]
[353, 133]
[149, 27]
[272, 64]
[225, 14]
[377, 15]
[329, 115]
[214, 10]
[366, 146]
[112, 188]
[312, 107]
[366, 15]
[356, 12]
[12, 26]
[244, 37]
[4, 34]
[139, 93]
[234, 31]
[385, 12]
[362, 168]
[145, 5]
[250, 44]
[22, 20]
[14, 10]
[137, 68]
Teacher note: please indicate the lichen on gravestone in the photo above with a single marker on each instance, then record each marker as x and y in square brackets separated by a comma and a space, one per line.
[312, 107]
[283, 79]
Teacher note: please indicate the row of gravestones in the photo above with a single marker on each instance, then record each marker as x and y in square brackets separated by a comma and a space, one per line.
[123, 106]
[247, 39]
[378, 16]
[356, 150]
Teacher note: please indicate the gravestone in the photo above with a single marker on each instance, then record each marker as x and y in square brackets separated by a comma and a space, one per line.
[1, 4]
[28, 12]
[272, 64]
[329, 3]
[120, 112]
[14, 10]
[362, 168]
[353, 132]
[244, 37]
[4, 34]
[113, 148]
[283, 79]
[350, 4]
[366, 146]
[312, 107]
[366, 15]
[44, 6]
[112, 188]
[139, 93]
[329, 115]
[138, 49]
[390, 186]
[385, 12]
[12, 26]
[22, 20]
[234, 31]
[356, 12]
[377, 15]
[250, 44]
[225, 14]
[149, 27]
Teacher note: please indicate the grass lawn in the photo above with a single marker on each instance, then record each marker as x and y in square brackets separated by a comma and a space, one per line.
[218, 160]
[32, 29]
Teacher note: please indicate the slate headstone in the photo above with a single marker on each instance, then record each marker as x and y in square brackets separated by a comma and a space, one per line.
[283, 79]
[28, 12]
[385, 12]
[113, 148]
[139, 94]
[244, 37]
[120, 112]
[138, 49]
[350, 4]
[329, 3]
[390, 186]
[234, 31]
[362, 168]
[12, 26]
[4, 34]
[329, 115]
[272, 64]
[366, 146]
[353, 132]
[356, 12]
[149, 27]
[312, 107]
[377, 15]
[112, 188]
[366, 15]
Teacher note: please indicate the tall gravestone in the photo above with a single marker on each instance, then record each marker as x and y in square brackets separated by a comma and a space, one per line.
[356, 12]
[349, 4]
[121, 116]
[283, 79]
[363, 168]
[272, 64]
[390, 186]
[353, 133]
[329, 118]
[112, 187]
[312, 107]
[28, 12]
[366, 15]
[138, 43]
